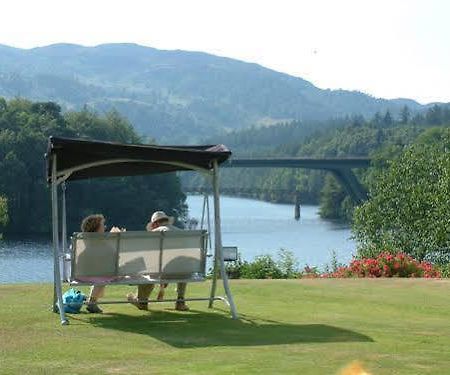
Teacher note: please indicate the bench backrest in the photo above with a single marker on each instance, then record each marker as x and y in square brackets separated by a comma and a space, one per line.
[162, 255]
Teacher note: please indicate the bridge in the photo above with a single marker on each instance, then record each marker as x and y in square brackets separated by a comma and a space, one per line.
[340, 167]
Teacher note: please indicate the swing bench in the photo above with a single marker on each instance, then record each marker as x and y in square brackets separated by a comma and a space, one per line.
[138, 257]
[132, 257]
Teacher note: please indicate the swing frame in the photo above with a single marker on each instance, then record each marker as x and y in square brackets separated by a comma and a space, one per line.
[74, 159]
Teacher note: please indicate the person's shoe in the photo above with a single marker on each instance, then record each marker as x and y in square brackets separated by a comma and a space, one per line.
[93, 308]
[134, 301]
[181, 306]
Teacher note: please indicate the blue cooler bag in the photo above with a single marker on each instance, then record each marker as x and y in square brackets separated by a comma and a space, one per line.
[75, 298]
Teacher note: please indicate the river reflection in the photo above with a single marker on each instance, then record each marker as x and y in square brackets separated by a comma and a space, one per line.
[255, 227]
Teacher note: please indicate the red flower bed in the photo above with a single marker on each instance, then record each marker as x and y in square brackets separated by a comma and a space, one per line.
[386, 265]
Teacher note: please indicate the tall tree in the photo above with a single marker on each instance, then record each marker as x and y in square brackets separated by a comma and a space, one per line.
[434, 115]
[387, 119]
[332, 199]
[405, 115]
[409, 208]
[3, 211]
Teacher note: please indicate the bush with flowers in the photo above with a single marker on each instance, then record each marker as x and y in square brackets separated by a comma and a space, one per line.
[386, 265]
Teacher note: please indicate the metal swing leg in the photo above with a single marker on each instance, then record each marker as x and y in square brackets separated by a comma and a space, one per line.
[218, 256]
[57, 287]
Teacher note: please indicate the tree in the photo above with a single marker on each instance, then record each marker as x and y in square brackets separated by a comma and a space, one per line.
[405, 115]
[377, 119]
[387, 120]
[332, 197]
[24, 130]
[433, 115]
[3, 211]
[409, 208]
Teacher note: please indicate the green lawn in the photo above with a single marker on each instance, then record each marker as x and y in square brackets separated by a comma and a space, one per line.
[392, 326]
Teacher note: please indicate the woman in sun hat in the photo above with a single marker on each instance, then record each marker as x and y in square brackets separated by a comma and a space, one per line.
[161, 222]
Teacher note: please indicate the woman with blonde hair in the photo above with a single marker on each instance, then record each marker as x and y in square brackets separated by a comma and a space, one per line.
[94, 223]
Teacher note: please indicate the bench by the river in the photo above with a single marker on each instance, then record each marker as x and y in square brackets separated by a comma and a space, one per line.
[138, 257]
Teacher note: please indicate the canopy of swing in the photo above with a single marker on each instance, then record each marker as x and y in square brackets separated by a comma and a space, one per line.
[80, 159]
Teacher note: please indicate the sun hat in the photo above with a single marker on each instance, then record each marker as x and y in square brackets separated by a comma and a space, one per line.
[161, 215]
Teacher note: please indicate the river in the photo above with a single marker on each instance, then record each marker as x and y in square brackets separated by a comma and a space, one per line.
[255, 227]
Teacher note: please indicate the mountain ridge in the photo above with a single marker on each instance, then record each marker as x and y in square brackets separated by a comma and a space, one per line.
[176, 94]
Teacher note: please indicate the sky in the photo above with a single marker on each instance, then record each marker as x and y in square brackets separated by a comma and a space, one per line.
[384, 48]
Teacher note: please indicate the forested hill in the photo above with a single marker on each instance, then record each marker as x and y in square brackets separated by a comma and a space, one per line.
[175, 95]
[24, 195]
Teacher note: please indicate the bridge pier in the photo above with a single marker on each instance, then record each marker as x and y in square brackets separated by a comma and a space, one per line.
[297, 205]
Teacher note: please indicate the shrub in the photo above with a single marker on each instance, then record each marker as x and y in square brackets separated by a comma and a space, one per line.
[263, 267]
[234, 268]
[387, 265]
[287, 264]
[444, 270]
[439, 257]
[309, 273]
